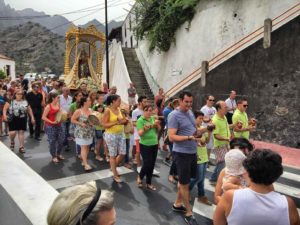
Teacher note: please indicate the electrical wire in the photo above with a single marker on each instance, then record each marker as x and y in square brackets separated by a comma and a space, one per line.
[87, 9]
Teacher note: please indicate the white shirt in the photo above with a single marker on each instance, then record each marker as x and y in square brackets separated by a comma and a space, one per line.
[135, 114]
[252, 208]
[230, 104]
[208, 111]
[65, 103]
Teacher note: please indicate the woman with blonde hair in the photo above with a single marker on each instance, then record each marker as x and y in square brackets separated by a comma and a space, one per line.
[83, 205]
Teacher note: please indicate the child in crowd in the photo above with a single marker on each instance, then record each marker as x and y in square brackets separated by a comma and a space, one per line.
[99, 131]
[202, 158]
[128, 130]
[234, 170]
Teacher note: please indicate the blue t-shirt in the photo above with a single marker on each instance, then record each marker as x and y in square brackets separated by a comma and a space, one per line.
[166, 112]
[185, 124]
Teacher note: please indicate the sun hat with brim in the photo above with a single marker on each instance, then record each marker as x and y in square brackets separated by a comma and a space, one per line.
[234, 162]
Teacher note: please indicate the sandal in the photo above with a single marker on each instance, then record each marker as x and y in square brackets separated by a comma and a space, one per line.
[139, 182]
[87, 168]
[99, 158]
[60, 157]
[22, 150]
[117, 179]
[172, 180]
[12, 146]
[151, 187]
[55, 160]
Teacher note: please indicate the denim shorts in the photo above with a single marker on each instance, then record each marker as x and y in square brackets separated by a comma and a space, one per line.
[99, 134]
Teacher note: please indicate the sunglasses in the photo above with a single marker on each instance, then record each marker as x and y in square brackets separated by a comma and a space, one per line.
[211, 100]
[245, 106]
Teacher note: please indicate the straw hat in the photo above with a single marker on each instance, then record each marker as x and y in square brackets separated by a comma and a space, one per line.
[93, 119]
[234, 162]
[61, 116]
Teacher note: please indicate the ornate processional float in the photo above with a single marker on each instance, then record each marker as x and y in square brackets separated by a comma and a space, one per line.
[83, 60]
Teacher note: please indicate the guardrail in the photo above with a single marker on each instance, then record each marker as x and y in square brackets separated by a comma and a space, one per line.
[237, 47]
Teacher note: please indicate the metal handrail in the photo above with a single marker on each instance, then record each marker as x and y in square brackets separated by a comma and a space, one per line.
[217, 60]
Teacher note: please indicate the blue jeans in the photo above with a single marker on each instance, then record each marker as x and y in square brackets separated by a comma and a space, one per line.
[217, 171]
[199, 180]
[127, 150]
[66, 127]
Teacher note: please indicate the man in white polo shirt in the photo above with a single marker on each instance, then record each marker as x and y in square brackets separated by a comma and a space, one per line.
[231, 106]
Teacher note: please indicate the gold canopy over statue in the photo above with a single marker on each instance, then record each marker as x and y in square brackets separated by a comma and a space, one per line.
[84, 51]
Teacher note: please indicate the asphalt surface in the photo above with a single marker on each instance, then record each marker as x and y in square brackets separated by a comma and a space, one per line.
[134, 206]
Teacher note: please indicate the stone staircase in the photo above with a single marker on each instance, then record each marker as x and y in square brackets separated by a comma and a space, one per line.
[136, 74]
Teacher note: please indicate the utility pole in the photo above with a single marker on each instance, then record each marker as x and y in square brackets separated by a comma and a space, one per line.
[106, 46]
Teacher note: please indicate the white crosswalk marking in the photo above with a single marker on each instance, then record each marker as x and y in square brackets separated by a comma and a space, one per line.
[291, 176]
[83, 178]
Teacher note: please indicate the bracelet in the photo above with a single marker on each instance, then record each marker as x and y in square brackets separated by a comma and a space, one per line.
[189, 138]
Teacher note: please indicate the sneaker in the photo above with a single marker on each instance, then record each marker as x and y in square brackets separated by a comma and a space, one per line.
[38, 139]
[190, 220]
[156, 173]
[204, 200]
[178, 208]
[138, 169]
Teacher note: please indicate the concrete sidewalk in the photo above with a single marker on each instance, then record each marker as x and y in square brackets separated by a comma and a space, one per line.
[290, 156]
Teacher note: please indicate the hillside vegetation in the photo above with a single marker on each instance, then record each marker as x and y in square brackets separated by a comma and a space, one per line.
[33, 48]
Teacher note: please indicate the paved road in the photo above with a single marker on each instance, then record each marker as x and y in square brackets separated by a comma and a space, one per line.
[134, 206]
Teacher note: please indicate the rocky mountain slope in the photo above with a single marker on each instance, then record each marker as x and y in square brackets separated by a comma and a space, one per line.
[57, 24]
[33, 47]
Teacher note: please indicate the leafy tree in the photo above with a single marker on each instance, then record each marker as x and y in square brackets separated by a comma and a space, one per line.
[158, 20]
[2, 74]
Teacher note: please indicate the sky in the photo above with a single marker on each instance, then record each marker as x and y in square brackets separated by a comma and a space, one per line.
[117, 9]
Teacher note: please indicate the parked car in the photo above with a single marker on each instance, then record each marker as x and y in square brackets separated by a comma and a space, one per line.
[31, 76]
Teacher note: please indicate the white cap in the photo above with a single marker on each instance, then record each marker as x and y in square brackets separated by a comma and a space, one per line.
[234, 162]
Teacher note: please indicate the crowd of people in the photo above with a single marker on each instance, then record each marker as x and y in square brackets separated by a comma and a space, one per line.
[96, 121]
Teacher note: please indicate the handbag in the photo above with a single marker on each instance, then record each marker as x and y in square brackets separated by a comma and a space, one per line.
[220, 153]
[128, 128]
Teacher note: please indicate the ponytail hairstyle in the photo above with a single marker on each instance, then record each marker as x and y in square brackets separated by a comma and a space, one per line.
[111, 98]
[51, 97]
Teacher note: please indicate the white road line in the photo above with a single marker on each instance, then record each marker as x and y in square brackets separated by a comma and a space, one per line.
[83, 178]
[291, 176]
[204, 210]
[30, 192]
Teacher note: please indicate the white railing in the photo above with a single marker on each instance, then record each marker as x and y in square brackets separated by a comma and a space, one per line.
[118, 72]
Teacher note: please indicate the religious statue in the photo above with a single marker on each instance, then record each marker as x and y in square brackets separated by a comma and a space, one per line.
[83, 71]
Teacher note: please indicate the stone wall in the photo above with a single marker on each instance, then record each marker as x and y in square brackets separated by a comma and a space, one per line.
[215, 26]
[269, 79]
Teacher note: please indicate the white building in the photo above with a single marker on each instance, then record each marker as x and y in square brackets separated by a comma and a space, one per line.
[8, 66]
[128, 39]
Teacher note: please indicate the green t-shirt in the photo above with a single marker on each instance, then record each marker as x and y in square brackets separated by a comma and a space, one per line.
[222, 128]
[150, 136]
[243, 118]
[202, 156]
[73, 107]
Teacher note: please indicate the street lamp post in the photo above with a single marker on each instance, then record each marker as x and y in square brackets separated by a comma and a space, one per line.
[106, 45]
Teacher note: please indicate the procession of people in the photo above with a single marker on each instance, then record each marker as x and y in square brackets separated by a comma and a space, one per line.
[100, 124]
